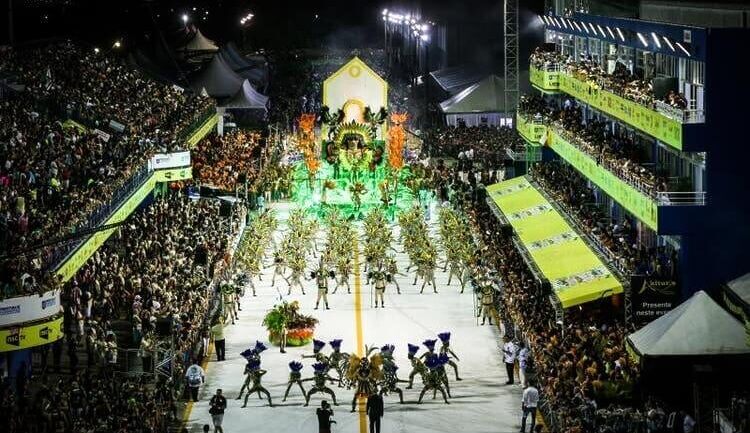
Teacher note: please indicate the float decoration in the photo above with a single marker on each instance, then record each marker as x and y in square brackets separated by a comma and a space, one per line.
[300, 328]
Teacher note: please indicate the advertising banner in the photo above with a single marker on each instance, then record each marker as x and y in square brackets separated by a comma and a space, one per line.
[170, 160]
[534, 133]
[25, 337]
[642, 206]
[544, 80]
[25, 309]
[652, 297]
[639, 116]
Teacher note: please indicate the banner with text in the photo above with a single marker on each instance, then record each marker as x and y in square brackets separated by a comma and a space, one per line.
[25, 337]
[652, 297]
[29, 308]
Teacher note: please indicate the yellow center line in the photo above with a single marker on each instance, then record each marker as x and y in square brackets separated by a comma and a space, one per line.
[360, 335]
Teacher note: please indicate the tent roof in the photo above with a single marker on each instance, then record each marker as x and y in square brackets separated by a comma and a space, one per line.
[218, 79]
[247, 97]
[456, 78]
[200, 43]
[741, 287]
[486, 96]
[253, 70]
[698, 326]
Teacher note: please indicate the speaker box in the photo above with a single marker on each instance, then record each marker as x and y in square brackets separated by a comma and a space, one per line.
[225, 209]
[164, 327]
[662, 86]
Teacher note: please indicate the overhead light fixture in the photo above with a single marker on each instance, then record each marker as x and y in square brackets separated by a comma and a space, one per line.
[656, 40]
[619, 33]
[593, 29]
[577, 26]
[425, 37]
[601, 30]
[564, 23]
[556, 23]
[385, 11]
[668, 42]
[643, 39]
[679, 45]
[585, 28]
[610, 32]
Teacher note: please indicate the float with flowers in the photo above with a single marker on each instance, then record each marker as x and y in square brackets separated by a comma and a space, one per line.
[285, 317]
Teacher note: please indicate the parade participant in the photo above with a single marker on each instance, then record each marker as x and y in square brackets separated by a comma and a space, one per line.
[321, 276]
[364, 374]
[318, 353]
[343, 269]
[255, 374]
[230, 306]
[510, 351]
[417, 367]
[445, 339]
[378, 278]
[443, 374]
[430, 345]
[279, 266]
[487, 299]
[297, 265]
[433, 381]
[338, 359]
[295, 377]
[319, 379]
[391, 269]
[390, 382]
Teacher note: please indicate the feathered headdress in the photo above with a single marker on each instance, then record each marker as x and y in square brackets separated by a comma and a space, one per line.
[445, 337]
[335, 344]
[260, 347]
[295, 366]
[413, 349]
[317, 345]
[388, 348]
[319, 367]
[432, 362]
[430, 344]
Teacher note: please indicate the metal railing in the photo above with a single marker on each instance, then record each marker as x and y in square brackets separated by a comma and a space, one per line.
[679, 114]
[677, 198]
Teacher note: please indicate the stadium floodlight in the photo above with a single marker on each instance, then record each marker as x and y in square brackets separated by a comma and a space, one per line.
[656, 40]
[96, 50]
[668, 42]
[117, 44]
[185, 18]
[425, 37]
[643, 39]
[609, 30]
[679, 45]
[416, 33]
[425, 27]
[619, 33]
[385, 12]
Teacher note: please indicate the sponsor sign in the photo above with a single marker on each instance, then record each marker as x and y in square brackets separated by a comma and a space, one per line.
[32, 308]
[103, 135]
[161, 161]
[652, 297]
[24, 337]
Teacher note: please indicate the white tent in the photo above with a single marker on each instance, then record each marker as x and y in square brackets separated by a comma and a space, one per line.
[480, 103]
[217, 79]
[697, 327]
[200, 43]
[246, 98]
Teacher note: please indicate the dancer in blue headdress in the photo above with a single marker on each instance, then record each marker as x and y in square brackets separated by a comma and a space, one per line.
[255, 374]
[445, 349]
[433, 380]
[417, 367]
[319, 379]
[295, 377]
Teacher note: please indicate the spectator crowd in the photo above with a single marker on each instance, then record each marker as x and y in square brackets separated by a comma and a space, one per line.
[56, 175]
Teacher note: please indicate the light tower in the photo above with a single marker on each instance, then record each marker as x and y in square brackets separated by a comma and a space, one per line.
[510, 21]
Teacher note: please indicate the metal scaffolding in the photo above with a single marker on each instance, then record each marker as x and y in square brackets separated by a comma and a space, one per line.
[510, 20]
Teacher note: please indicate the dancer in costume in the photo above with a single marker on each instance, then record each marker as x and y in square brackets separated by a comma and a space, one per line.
[319, 379]
[251, 355]
[363, 375]
[430, 345]
[295, 279]
[321, 276]
[379, 279]
[445, 340]
[343, 269]
[338, 360]
[255, 374]
[433, 380]
[318, 354]
[279, 266]
[295, 377]
[390, 382]
[392, 271]
[417, 366]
